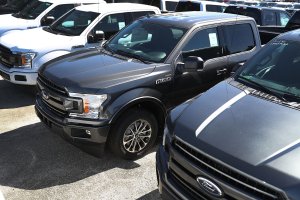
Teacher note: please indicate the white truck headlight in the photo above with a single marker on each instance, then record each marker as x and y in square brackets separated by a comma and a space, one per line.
[91, 105]
[26, 59]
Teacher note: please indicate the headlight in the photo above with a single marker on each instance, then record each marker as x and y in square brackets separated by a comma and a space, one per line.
[26, 59]
[91, 105]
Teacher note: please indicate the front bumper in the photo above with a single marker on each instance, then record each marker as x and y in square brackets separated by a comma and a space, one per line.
[17, 76]
[89, 138]
[168, 188]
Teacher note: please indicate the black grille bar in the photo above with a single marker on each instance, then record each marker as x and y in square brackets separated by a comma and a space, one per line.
[51, 86]
[7, 58]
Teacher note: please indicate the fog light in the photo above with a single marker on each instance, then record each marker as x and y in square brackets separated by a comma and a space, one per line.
[88, 132]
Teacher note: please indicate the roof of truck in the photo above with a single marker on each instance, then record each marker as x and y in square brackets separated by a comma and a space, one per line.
[205, 2]
[189, 19]
[116, 7]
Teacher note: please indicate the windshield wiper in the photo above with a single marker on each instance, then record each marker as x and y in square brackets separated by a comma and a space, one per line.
[131, 55]
[291, 96]
[262, 87]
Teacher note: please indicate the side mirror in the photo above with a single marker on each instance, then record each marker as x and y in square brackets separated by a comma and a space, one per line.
[193, 64]
[99, 36]
[47, 21]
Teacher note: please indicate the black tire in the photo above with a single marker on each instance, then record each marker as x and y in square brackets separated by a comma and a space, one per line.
[121, 127]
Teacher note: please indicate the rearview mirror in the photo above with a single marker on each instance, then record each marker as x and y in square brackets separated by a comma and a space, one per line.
[47, 21]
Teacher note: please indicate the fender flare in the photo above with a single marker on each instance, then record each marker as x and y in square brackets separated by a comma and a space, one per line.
[133, 98]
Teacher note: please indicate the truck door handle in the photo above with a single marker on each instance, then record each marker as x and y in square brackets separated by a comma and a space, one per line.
[221, 71]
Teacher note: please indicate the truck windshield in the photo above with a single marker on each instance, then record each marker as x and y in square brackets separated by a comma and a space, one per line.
[18, 3]
[73, 23]
[33, 10]
[277, 68]
[146, 41]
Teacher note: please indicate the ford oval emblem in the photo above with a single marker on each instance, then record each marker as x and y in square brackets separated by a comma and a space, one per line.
[210, 187]
[45, 95]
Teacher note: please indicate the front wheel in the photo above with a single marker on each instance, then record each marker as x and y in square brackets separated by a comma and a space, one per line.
[134, 133]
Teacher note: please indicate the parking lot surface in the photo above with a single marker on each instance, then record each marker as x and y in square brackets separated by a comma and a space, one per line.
[38, 164]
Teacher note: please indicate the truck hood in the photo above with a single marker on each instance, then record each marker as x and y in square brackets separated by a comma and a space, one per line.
[90, 70]
[254, 135]
[8, 22]
[35, 40]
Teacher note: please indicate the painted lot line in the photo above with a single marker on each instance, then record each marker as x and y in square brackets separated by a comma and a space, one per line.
[1, 196]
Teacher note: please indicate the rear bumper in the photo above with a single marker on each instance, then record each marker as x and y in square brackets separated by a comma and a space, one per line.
[90, 138]
[18, 77]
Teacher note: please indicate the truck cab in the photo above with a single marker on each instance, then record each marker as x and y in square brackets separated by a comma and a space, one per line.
[263, 16]
[118, 95]
[84, 27]
[39, 13]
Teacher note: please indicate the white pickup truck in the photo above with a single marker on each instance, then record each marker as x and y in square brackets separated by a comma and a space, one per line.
[39, 13]
[23, 52]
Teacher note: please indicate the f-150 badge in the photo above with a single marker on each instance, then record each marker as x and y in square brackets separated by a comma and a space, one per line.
[163, 80]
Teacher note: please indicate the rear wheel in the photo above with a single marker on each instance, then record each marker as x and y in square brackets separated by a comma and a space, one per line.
[133, 134]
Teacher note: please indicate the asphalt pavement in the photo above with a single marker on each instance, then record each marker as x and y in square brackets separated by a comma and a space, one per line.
[35, 163]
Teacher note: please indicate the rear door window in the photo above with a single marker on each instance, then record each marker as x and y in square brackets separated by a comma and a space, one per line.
[215, 8]
[170, 5]
[239, 38]
[187, 6]
[269, 18]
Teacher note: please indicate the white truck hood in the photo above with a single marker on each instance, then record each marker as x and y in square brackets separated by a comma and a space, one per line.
[8, 22]
[37, 40]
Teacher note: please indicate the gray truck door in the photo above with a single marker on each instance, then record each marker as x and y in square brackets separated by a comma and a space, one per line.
[204, 43]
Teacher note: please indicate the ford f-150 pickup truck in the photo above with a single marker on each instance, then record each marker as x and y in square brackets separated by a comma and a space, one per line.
[267, 33]
[119, 94]
[78, 29]
[240, 139]
[39, 13]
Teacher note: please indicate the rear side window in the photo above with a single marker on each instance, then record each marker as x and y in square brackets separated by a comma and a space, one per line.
[250, 12]
[136, 15]
[204, 44]
[239, 38]
[283, 18]
[187, 6]
[170, 5]
[269, 18]
[215, 8]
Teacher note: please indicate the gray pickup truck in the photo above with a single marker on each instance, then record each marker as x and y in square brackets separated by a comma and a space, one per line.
[119, 94]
